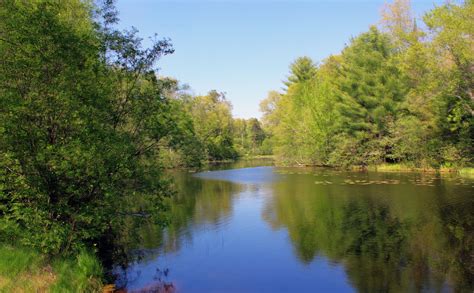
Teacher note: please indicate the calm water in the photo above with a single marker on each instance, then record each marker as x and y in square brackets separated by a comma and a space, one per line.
[267, 229]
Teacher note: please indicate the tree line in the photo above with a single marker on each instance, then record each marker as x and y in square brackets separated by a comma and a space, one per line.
[401, 92]
[216, 135]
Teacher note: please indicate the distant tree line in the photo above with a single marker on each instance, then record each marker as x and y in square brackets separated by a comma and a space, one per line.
[216, 135]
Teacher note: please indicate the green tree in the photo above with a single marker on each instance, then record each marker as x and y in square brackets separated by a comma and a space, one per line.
[83, 118]
[255, 134]
[302, 69]
[370, 90]
[300, 121]
[212, 119]
[452, 27]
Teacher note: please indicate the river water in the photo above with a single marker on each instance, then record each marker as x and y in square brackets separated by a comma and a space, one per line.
[269, 229]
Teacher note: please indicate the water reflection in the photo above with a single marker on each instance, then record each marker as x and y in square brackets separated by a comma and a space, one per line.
[400, 237]
[266, 229]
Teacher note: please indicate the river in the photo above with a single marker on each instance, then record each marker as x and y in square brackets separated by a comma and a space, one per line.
[271, 229]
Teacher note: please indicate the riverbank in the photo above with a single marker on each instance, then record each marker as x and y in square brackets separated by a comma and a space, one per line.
[466, 172]
[26, 270]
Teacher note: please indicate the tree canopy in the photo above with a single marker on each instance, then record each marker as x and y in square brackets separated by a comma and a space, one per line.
[395, 94]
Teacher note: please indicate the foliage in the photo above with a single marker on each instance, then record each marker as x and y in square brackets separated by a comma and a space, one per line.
[249, 136]
[212, 118]
[303, 69]
[369, 90]
[396, 95]
[83, 121]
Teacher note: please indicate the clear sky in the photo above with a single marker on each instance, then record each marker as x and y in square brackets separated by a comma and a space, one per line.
[244, 48]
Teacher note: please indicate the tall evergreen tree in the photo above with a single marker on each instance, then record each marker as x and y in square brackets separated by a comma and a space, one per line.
[370, 90]
[302, 69]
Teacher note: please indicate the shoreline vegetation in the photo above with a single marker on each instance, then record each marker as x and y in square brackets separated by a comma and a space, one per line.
[462, 171]
[26, 270]
[89, 126]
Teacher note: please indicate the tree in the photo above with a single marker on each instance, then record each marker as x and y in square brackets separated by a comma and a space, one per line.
[451, 28]
[268, 106]
[239, 129]
[255, 134]
[302, 69]
[438, 105]
[248, 136]
[83, 119]
[370, 90]
[398, 20]
[212, 119]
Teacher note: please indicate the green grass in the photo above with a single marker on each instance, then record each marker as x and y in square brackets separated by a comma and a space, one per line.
[257, 157]
[467, 172]
[14, 261]
[24, 270]
[400, 168]
[81, 274]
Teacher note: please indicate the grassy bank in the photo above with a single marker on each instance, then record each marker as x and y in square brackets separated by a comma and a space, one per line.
[257, 157]
[25, 270]
[404, 168]
[465, 172]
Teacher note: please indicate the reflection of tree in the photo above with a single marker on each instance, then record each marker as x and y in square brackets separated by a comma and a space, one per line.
[196, 203]
[458, 254]
[382, 247]
[374, 242]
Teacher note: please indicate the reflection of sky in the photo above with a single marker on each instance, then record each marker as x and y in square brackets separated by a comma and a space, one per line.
[244, 255]
[244, 175]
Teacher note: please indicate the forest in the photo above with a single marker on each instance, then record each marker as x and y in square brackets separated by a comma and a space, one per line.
[88, 125]
[400, 93]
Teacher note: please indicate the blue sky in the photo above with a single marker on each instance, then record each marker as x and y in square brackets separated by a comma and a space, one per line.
[244, 48]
